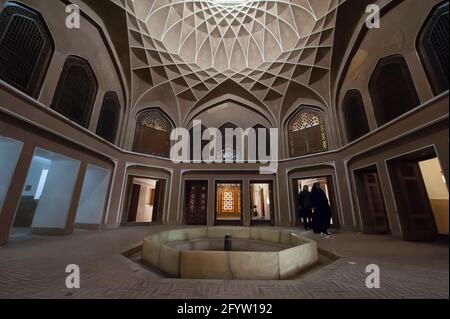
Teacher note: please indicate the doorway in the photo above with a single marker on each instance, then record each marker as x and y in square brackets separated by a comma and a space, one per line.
[9, 155]
[93, 197]
[196, 205]
[261, 206]
[146, 200]
[371, 201]
[229, 203]
[421, 195]
[47, 195]
[327, 185]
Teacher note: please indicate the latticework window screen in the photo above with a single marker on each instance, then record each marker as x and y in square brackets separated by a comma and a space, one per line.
[307, 133]
[152, 134]
[109, 117]
[392, 89]
[76, 91]
[26, 48]
[434, 48]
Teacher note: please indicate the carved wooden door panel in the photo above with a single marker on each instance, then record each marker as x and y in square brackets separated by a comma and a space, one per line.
[196, 202]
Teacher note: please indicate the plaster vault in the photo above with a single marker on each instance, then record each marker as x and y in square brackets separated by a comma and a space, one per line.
[268, 47]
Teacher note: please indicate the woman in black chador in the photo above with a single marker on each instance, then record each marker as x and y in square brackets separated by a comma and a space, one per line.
[305, 210]
[322, 211]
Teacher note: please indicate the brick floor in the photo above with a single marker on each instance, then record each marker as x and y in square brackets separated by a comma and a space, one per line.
[34, 267]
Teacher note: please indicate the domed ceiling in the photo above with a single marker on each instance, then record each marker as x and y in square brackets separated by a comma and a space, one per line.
[264, 46]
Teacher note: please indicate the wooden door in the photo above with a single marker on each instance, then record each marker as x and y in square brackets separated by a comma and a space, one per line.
[376, 209]
[261, 202]
[272, 204]
[158, 201]
[333, 204]
[414, 207]
[261, 199]
[295, 197]
[229, 203]
[134, 202]
[196, 202]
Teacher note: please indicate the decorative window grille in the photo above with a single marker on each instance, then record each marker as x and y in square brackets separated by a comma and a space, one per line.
[26, 48]
[307, 133]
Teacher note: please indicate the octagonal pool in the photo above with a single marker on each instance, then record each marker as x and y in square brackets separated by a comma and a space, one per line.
[256, 253]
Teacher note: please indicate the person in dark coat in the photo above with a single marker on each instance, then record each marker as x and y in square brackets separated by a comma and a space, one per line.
[322, 211]
[305, 210]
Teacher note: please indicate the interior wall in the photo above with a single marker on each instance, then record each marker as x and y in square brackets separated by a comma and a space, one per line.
[34, 175]
[437, 193]
[69, 160]
[420, 140]
[397, 35]
[266, 205]
[428, 125]
[231, 112]
[139, 174]
[310, 183]
[145, 210]
[85, 42]
[32, 191]
[9, 154]
[244, 177]
[93, 196]
[54, 204]
[146, 199]
[305, 174]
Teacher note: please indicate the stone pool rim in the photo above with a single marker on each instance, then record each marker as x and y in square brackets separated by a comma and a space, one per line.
[232, 265]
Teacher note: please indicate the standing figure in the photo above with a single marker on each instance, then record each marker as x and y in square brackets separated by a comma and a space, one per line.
[305, 209]
[255, 211]
[322, 211]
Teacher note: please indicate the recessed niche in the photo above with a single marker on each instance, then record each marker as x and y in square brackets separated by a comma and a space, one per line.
[47, 193]
[93, 196]
[9, 154]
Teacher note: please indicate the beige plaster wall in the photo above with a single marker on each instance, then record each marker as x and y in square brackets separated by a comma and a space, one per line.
[398, 32]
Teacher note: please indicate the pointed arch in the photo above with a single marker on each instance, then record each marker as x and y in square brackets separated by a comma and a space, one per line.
[433, 48]
[257, 128]
[76, 91]
[355, 116]
[228, 153]
[26, 48]
[108, 122]
[392, 89]
[307, 132]
[152, 135]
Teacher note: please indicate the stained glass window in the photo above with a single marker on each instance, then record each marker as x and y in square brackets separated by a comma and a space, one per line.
[229, 201]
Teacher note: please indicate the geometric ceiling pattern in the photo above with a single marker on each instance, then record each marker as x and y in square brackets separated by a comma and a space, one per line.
[234, 36]
[264, 46]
